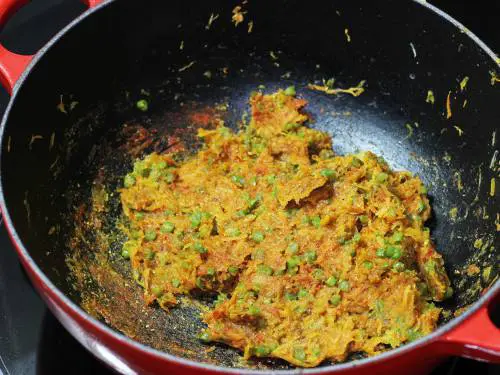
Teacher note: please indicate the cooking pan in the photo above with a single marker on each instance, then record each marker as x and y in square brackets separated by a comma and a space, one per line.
[72, 130]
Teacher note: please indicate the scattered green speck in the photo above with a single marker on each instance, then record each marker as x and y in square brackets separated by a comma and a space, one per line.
[167, 227]
[335, 300]
[129, 181]
[142, 105]
[331, 281]
[150, 235]
[200, 248]
[344, 285]
[258, 237]
[290, 91]
[264, 269]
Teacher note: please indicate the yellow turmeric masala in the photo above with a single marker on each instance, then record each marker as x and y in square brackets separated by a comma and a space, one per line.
[312, 255]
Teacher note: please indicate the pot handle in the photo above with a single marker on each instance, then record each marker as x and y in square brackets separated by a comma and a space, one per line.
[477, 337]
[12, 65]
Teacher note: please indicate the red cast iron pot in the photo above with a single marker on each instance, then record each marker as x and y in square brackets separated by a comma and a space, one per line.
[402, 49]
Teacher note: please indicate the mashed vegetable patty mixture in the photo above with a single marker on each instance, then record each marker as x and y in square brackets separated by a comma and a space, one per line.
[313, 256]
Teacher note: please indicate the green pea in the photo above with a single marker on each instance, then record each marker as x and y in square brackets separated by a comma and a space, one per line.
[389, 251]
[294, 261]
[167, 227]
[150, 235]
[430, 266]
[155, 174]
[328, 173]
[262, 351]
[129, 181]
[252, 204]
[302, 293]
[271, 179]
[157, 291]
[290, 296]
[381, 177]
[233, 270]
[344, 285]
[142, 105]
[195, 219]
[238, 180]
[335, 300]
[331, 281]
[363, 219]
[169, 177]
[316, 221]
[291, 126]
[125, 253]
[356, 163]
[413, 334]
[241, 213]
[316, 352]
[356, 237]
[380, 252]
[398, 267]
[176, 283]
[200, 248]
[299, 354]
[397, 237]
[139, 215]
[233, 232]
[254, 310]
[423, 189]
[204, 336]
[221, 297]
[263, 269]
[211, 271]
[310, 256]
[293, 247]
[368, 265]
[300, 309]
[161, 165]
[397, 253]
[258, 237]
[290, 91]
[392, 252]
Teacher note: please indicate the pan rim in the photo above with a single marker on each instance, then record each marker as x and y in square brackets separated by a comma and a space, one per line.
[72, 309]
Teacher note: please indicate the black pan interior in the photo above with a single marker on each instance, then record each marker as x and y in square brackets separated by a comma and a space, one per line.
[171, 54]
